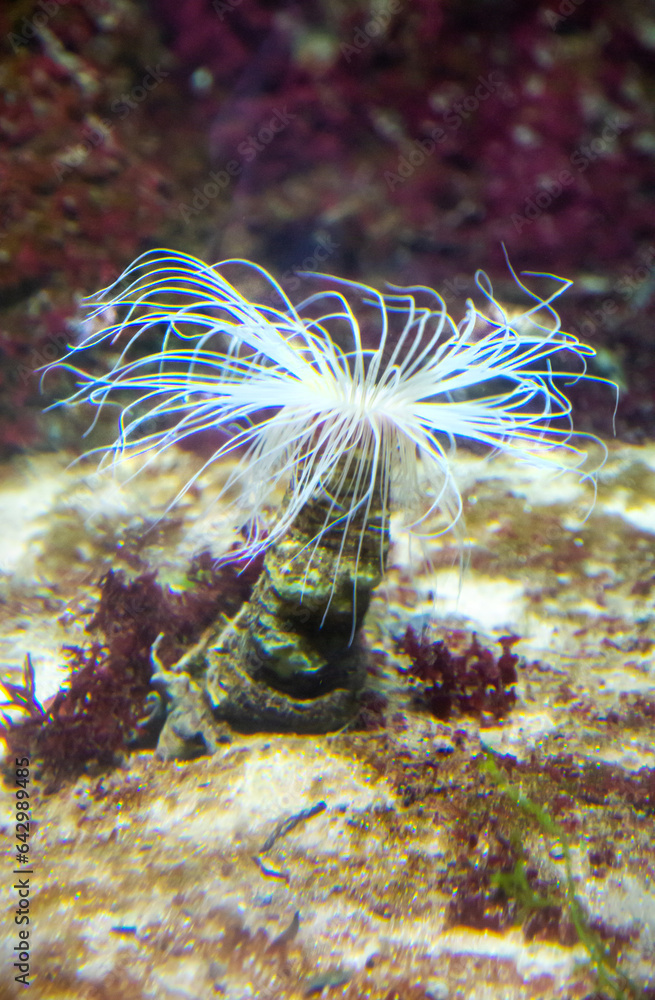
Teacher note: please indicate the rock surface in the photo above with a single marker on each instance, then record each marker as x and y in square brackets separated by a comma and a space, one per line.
[421, 878]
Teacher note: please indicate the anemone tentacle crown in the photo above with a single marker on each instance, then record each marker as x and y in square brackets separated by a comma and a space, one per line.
[352, 431]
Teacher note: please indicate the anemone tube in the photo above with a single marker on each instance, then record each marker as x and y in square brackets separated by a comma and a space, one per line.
[293, 658]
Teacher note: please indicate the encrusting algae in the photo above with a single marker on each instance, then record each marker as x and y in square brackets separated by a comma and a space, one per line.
[355, 433]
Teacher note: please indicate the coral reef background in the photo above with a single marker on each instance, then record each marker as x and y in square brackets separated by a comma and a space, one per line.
[402, 141]
[399, 141]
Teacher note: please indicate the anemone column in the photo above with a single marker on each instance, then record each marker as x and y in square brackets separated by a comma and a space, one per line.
[293, 659]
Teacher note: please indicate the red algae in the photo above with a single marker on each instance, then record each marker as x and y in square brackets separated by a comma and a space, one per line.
[97, 712]
[474, 681]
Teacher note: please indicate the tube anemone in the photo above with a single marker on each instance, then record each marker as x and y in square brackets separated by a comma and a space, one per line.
[352, 431]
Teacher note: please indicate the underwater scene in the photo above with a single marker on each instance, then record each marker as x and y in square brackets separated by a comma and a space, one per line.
[327, 499]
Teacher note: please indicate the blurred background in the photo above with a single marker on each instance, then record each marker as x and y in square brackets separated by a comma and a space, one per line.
[401, 141]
